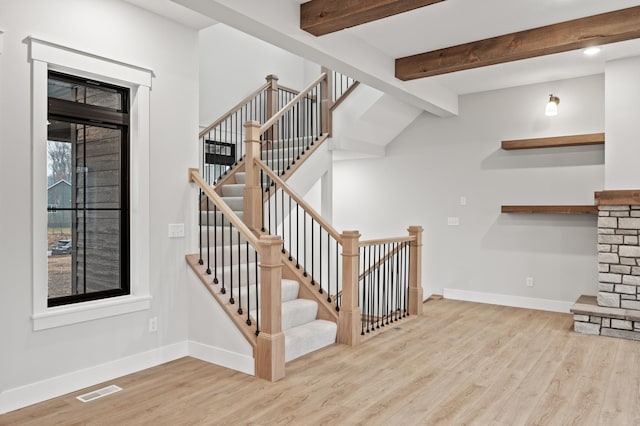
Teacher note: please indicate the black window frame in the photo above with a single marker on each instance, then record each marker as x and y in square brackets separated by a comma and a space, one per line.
[87, 114]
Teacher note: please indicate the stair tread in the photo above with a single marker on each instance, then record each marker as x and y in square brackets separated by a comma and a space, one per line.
[296, 312]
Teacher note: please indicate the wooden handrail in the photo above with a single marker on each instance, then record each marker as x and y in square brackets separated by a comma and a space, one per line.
[344, 95]
[273, 120]
[288, 89]
[234, 109]
[310, 211]
[384, 259]
[405, 239]
[195, 177]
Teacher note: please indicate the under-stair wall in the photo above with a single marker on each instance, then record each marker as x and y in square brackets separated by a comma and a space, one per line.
[367, 121]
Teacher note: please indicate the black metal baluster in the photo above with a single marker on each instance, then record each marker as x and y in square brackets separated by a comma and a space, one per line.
[319, 107]
[328, 267]
[268, 190]
[338, 277]
[223, 290]
[262, 191]
[208, 245]
[406, 278]
[257, 291]
[290, 229]
[362, 284]
[304, 227]
[313, 273]
[200, 260]
[298, 236]
[377, 308]
[320, 251]
[372, 298]
[383, 266]
[215, 241]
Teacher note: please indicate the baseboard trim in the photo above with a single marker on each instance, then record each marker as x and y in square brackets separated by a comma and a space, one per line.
[508, 300]
[233, 360]
[33, 393]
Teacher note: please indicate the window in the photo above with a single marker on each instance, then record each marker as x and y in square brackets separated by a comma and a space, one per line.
[88, 194]
[119, 79]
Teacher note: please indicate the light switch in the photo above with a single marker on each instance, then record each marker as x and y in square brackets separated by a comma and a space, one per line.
[176, 230]
[453, 221]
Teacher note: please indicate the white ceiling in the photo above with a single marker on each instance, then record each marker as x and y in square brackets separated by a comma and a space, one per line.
[367, 52]
[454, 22]
[175, 12]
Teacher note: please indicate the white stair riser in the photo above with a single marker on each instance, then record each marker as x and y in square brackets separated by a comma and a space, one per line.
[298, 312]
[235, 203]
[233, 190]
[246, 297]
[307, 338]
[216, 218]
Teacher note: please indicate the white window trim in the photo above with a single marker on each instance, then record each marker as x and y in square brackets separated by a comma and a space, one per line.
[47, 56]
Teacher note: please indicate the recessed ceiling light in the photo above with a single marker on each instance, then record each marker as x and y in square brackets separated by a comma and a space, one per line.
[590, 51]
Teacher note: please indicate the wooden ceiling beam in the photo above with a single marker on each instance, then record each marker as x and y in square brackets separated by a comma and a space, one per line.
[594, 30]
[320, 17]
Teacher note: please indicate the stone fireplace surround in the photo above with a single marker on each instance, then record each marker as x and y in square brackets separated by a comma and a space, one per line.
[615, 311]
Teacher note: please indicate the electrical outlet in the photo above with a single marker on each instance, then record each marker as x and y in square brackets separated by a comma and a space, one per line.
[529, 281]
[153, 324]
[463, 201]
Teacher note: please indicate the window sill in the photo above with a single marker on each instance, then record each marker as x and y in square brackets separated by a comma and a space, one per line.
[88, 311]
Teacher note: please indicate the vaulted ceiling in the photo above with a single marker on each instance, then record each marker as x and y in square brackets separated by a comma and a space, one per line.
[368, 51]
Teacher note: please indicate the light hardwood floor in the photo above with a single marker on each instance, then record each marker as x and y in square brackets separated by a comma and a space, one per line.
[459, 363]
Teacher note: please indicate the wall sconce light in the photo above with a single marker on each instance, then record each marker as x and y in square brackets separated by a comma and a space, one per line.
[552, 106]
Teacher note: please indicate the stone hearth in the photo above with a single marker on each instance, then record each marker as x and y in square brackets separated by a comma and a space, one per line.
[615, 311]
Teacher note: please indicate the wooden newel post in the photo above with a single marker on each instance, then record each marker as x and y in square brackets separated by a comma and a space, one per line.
[327, 101]
[269, 360]
[350, 316]
[252, 206]
[415, 271]
[271, 104]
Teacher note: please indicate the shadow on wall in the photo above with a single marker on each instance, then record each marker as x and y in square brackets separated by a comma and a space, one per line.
[560, 234]
[544, 157]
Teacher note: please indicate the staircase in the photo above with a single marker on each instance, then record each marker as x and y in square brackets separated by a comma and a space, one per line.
[304, 332]
[288, 281]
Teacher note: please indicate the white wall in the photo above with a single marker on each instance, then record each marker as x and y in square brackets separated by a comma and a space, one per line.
[437, 160]
[119, 31]
[622, 125]
[233, 64]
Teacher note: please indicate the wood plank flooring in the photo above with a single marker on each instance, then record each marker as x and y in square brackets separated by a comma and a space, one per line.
[459, 363]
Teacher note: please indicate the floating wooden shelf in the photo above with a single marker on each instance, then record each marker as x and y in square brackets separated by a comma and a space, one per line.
[589, 209]
[553, 142]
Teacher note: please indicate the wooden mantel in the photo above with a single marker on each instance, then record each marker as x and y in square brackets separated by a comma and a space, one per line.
[618, 197]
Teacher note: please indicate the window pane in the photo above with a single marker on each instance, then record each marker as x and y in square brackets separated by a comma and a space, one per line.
[88, 204]
[85, 93]
[98, 251]
[98, 166]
